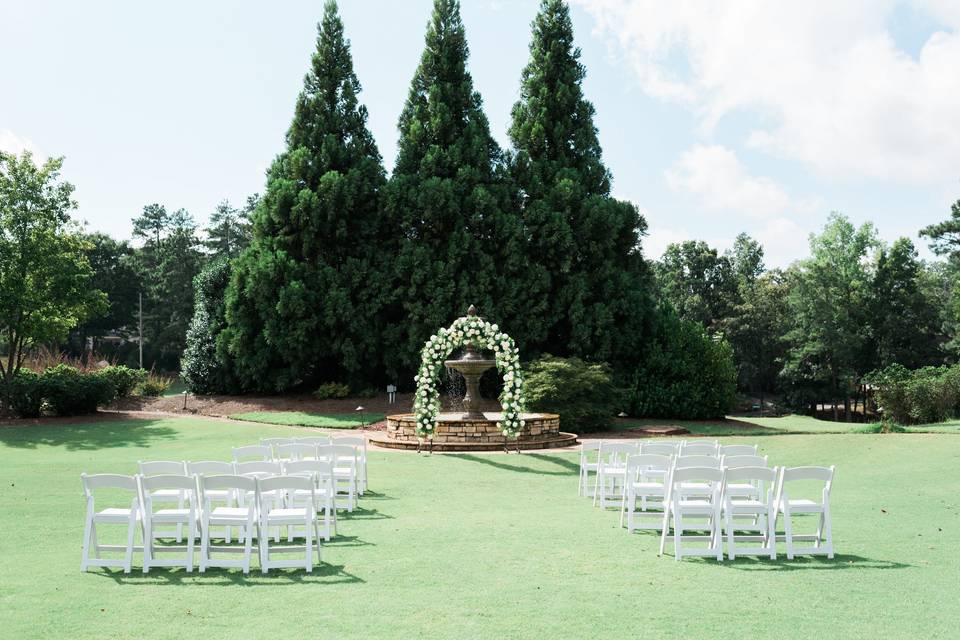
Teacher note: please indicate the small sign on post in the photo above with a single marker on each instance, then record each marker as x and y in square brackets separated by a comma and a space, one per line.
[391, 393]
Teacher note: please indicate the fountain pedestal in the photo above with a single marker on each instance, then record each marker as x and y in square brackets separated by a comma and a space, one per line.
[471, 366]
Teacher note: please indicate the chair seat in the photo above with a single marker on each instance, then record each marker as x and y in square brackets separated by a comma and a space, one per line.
[649, 488]
[171, 515]
[219, 494]
[288, 514]
[229, 513]
[741, 505]
[113, 514]
[802, 506]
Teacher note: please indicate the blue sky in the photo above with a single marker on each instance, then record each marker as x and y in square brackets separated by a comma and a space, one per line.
[715, 118]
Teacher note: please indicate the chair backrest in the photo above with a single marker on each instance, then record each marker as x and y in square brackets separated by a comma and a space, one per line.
[258, 468]
[617, 452]
[710, 475]
[762, 477]
[162, 468]
[294, 451]
[734, 462]
[240, 483]
[738, 450]
[186, 485]
[313, 440]
[107, 481]
[307, 467]
[638, 465]
[337, 453]
[356, 441]
[702, 441]
[660, 448]
[269, 442]
[698, 449]
[683, 462]
[210, 467]
[587, 447]
[284, 483]
[800, 474]
[252, 452]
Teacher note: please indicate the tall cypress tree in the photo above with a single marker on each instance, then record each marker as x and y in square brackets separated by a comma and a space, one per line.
[584, 246]
[462, 239]
[307, 297]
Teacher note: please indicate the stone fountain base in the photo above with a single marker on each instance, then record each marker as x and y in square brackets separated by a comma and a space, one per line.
[453, 433]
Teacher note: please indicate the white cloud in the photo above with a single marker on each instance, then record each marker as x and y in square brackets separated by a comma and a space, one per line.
[715, 176]
[12, 143]
[826, 81]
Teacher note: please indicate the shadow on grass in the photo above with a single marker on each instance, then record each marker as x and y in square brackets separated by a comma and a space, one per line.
[570, 468]
[373, 495]
[839, 562]
[347, 541]
[87, 433]
[162, 576]
[361, 513]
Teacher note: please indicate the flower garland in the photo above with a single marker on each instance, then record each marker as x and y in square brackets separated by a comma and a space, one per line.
[481, 334]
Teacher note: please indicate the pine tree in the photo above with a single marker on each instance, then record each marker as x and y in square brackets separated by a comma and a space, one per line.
[228, 232]
[462, 239]
[306, 298]
[589, 277]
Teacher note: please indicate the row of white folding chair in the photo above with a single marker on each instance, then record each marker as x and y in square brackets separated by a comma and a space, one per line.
[293, 449]
[259, 515]
[615, 450]
[325, 474]
[749, 497]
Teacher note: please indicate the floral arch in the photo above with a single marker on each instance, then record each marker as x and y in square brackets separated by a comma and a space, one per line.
[476, 331]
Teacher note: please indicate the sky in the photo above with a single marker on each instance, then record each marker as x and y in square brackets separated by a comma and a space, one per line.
[715, 118]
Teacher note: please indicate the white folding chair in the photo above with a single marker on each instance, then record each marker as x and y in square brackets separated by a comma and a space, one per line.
[256, 469]
[791, 506]
[738, 450]
[361, 444]
[755, 514]
[646, 481]
[314, 440]
[215, 468]
[271, 442]
[322, 475]
[736, 462]
[660, 448]
[611, 472]
[259, 452]
[700, 513]
[287, 516]
[343, 459]
[699, 448]
[588, 464]
[172, 496]
[153, 520]
[129, 515]
[294, 451]
[243, 516]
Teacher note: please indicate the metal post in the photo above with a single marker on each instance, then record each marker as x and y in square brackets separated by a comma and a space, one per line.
[140, 328]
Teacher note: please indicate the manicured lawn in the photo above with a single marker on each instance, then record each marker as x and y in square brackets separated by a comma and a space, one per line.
[486, 546]
[305, 419]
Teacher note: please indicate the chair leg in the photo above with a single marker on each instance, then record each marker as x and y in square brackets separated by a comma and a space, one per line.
[788, 533]
[308, 545]
[677, 534]
[94, 544]
[263, 546]
[731, 545]
[772, 533]
[665, 528]
[717, 534]
[147, 546]
[827, 529]
[128, 556]
[85, 553]
[247, 546]
[204, 544]
[192, 530]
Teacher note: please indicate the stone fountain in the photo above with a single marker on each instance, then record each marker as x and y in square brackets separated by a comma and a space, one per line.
[474, 429]
[471, 366]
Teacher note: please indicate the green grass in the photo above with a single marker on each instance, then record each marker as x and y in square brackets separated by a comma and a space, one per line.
[486, 546]
[305, 419]
[177, 387]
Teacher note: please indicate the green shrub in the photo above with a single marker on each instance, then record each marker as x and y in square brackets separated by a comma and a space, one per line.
[929, 394]
[206, 367]
[26, 394]
[70, 392]
[154, 385]
[124, 379]
[582, 393]
[332, 390]
[683, 373]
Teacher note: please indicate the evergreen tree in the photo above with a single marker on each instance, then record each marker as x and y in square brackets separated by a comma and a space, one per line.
[589, 285]
[204, 370]
[229, 230]
[462, 241]
[904, 321]
[306, 299]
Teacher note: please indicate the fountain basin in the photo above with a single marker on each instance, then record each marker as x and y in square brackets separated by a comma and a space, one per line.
[456, 433]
